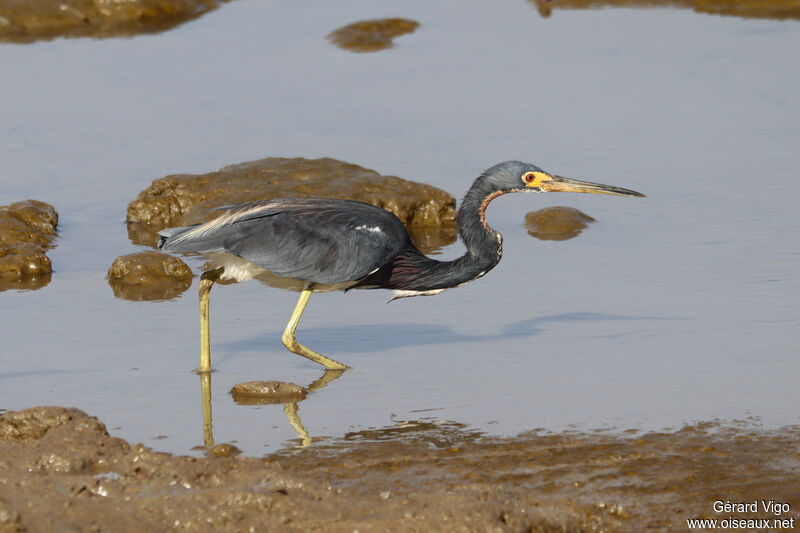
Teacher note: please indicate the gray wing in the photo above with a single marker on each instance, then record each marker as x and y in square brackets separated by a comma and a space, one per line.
[312, 239]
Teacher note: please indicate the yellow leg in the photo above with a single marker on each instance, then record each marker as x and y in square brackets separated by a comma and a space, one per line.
[206, 281]
[291, 343]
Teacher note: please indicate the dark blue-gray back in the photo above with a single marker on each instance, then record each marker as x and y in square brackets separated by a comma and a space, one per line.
[319, 240]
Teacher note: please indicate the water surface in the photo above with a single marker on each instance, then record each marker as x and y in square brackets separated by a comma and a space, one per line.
[674, 308]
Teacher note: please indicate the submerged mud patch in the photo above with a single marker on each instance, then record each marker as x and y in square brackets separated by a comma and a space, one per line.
[59, 468]
[27, 231]
[371, 35]
[29, 20]
[429, 213]
[558, 223]
[149, 276]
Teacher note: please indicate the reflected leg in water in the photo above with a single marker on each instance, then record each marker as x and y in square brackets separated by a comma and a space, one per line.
[322, 381]
[293, 417]
[205, 393]
[292, 410]
[266, 393]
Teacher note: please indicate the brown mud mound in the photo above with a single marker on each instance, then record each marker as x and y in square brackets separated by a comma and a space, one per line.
[556, 223]
[25, 21]
[768, 9]
[222, 450]
[27, 231]
[60, 470]
[267, 392]
[183, 199]
[371, 35]
[149, 276]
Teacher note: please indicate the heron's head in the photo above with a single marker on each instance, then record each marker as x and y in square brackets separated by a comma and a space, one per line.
[516, 176]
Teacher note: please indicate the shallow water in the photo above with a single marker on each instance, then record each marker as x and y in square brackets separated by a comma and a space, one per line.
[678, 307]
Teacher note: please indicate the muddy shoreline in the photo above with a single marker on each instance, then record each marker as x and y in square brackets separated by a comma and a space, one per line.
[61, 470]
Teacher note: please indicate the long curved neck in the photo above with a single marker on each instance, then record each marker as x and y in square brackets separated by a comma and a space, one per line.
[483, 243]
[416, 272]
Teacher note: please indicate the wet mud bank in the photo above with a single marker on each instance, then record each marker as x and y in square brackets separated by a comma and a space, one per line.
[766, 9]
[60, 467]
[30, 20]
[429, 213]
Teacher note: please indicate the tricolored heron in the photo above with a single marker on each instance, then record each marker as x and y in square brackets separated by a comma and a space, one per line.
[321, 244]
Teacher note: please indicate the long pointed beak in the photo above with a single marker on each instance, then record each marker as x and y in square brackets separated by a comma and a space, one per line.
[562, 184]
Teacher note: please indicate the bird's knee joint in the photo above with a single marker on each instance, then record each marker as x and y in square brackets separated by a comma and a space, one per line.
[212, 275]
[289, 341]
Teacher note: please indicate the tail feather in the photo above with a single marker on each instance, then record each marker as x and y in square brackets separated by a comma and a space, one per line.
[168, 233]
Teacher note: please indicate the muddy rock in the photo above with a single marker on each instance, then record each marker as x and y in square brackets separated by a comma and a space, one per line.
[34, 424]
[149, 276]
[180, 200]
[60, 470]
[267, 392]
[55, 440]
[27, 231]
[223, 450]
[25, 21]
[556, 223]
[770, 9]
[371, 35]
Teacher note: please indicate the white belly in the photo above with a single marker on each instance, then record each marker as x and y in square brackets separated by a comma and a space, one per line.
[238, 269]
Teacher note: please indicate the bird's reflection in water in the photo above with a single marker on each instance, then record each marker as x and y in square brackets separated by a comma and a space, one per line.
[265, 393]
[205, 393]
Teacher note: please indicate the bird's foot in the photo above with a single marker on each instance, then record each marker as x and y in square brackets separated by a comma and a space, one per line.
[295, 347]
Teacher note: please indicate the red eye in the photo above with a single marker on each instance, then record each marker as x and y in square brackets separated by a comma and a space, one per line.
[528, 178]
